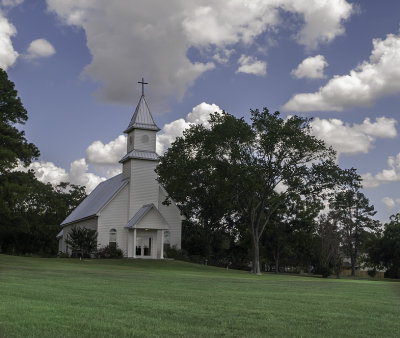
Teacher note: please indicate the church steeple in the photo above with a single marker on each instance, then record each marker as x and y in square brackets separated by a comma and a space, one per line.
[142, 130]
[142, 118]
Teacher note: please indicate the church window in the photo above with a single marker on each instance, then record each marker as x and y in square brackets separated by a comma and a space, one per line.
[130, 140]
[113, 238]
[145, 138]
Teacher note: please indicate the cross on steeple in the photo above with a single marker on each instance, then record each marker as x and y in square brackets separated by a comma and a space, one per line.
[143, 83]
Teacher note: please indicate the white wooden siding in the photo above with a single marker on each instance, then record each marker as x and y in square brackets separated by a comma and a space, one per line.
[172, 215]
[115, 216]
[150, 145]
[151, 220]
[143, 185]
[126, 169]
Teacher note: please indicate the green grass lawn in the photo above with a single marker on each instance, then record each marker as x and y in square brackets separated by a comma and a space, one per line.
[125, 298]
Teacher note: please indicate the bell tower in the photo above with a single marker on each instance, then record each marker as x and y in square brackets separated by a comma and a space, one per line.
[142, 129]
[141, 158]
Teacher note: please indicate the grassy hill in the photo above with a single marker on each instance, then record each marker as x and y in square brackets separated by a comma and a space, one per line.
[126, 298]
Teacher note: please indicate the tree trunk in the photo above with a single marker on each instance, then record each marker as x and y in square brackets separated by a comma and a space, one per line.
[256, 255]
[277, 262]
[353, 265]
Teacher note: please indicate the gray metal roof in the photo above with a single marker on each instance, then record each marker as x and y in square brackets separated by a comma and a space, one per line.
[141, 213]
[97, 199]
[142, 118]
[60, 234]
[140, 154]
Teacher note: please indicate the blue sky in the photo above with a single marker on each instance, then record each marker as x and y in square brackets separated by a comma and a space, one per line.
[76, 65]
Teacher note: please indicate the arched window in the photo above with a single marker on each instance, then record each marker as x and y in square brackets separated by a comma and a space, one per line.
[113, 238]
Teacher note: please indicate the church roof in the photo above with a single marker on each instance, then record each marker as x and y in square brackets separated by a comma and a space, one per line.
[142, 118]
[141, 155]
[60, 234]
[96, 200]
[143, 212]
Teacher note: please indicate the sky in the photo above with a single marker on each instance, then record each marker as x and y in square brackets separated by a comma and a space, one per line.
[76, 65]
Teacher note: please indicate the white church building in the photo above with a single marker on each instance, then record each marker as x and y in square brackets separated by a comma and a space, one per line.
[127, 210]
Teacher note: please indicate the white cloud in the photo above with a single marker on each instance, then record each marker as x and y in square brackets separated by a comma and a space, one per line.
[130, 39]
[48, 172]
[223, 55]
[40, 48]
[311, 67]
[250, 65]
[78, 175]
[11, 3]
[105, 157]
[8, 55]
[389, 202]
[356, 138]
[199, 115]
[170, 132]
[369, 81]
[110, 153]
[323, 20]
[385, 176]
[226, 22]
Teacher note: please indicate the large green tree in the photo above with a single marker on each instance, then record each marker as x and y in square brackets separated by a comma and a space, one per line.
[13, 145]
[30, 211]
[247, 171]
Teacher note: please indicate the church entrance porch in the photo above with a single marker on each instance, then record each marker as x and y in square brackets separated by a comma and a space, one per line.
[146, 243]
[144, 247]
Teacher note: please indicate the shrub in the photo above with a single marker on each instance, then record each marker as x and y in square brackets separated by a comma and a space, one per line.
[82, 241]
[325, 271]
[63, 255]
[110, 251]
[179, 254]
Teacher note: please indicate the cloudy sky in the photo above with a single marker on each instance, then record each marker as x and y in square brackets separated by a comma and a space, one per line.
[76, 65]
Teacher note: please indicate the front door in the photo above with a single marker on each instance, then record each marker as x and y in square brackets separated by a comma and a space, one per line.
[143, 246]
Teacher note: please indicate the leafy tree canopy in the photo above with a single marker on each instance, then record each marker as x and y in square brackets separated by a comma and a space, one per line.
[247, 171]
[13, 144]
[31, 212]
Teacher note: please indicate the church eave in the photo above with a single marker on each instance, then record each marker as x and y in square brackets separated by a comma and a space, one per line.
[140, 155]
[79, 220]
[142, 126]
[142, 212]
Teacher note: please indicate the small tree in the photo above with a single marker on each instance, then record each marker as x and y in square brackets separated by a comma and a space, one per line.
[328, 246]
[352, 212]
[384, 249]
[82, 241]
